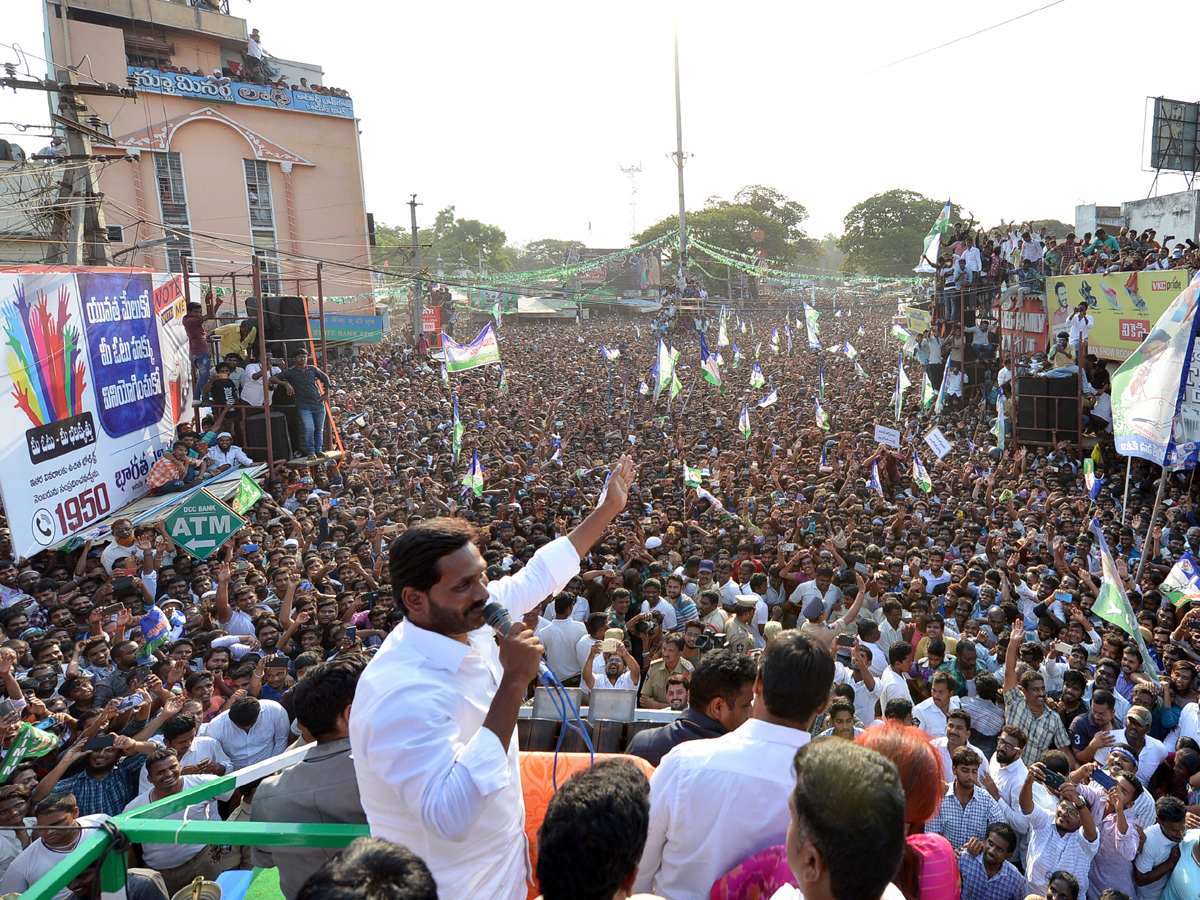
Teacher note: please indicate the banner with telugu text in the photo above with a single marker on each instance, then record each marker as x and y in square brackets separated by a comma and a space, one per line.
[483, 351]
[97, 375]
[1123, 305]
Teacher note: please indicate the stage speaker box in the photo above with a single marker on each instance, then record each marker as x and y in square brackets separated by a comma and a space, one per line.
[286, 323]
[256, 436]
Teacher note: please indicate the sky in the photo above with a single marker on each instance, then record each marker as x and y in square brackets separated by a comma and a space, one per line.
[521, 114]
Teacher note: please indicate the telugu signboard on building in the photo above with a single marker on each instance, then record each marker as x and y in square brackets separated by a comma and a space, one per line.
[201, 88]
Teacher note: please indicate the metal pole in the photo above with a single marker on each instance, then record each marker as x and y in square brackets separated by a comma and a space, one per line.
[679, 158]
[1162, 486]
[1125, 501]
[266, 368]
[321, 313]
[417, 304]
[608, 415]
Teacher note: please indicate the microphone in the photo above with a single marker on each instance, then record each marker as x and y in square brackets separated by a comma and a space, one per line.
[500, 619]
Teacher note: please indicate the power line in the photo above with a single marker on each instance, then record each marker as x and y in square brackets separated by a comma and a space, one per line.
[958, 39]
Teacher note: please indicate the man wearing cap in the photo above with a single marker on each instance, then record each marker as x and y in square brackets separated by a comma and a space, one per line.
[1150, 751]
[821, 588]
[225, 456]
[740, 628]
[815, 614]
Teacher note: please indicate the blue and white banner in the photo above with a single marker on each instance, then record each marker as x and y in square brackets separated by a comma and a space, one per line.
[204, 88]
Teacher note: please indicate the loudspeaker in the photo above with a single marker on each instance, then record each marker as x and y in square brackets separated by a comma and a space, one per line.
[256, 437]
[286, 323]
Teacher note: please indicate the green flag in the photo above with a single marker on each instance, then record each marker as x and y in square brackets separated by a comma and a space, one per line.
[928, 394]
[1112, 604]
[691, 477]
[246, 495]
[29, 742]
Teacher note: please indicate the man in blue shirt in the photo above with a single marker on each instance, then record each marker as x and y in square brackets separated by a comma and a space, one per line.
[986, 871]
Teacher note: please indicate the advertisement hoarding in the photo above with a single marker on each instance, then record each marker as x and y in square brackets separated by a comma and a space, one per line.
[97, 375]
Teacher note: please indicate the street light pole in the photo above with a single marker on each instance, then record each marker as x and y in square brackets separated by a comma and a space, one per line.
[679, 155]
[418, 311]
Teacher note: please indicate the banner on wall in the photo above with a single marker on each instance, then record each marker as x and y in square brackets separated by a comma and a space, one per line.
[1124, 305]
[1023, 324]
[1153, 388]
[96, 377]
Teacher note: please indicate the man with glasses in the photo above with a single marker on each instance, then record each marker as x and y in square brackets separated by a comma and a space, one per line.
[1067, 840]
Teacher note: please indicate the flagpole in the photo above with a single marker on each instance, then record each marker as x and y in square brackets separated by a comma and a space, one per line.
[1125, 501]
[1162, 485]
[683, 409]
[609, 415]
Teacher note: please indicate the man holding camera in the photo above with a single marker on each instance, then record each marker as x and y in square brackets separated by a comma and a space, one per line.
[621, 671]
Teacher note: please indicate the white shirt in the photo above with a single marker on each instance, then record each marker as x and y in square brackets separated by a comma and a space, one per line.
[1049, 851]
[1189, 724]
[892, 686]
[561, 636]
[624, 682]
[1150, 759]
[932, 720]
[715, 803]
[267, 737]
[1155, 850]
[940, 745]
[168, 856]
[864, 701]
[430, 776]
[36, 860]
[234, 457]
[668, 612]
[203, 747]
[791, 892]
[1080, 328]
[252, 389]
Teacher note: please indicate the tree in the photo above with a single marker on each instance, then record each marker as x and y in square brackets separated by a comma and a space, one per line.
[884, 234]
[450, 237]
[545, 254]
[731, 226]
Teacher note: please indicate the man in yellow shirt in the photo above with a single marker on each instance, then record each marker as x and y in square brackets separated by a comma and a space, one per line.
[236, 337]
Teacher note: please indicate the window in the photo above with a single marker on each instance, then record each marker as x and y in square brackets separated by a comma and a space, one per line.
[258, 194]
[116, 234]
[172, 200]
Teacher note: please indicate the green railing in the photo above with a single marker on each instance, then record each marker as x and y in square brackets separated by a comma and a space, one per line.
[147, 826]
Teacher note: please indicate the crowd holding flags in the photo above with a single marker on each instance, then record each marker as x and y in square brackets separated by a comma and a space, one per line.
[875, 484]
[1089, 477]
[920, 474]
[1182, 584]
[473, 480]
[709, 367]
[456, 433]
[821, 416]
[1112, 603]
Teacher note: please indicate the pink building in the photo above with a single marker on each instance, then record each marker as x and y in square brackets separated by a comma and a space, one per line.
[230, 159]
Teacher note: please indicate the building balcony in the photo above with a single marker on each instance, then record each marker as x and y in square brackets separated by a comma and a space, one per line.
[209, 16]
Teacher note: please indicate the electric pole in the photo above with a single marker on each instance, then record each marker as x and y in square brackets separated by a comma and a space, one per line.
[680, 157]
[418, 309]
[80, 235]
[632, 172]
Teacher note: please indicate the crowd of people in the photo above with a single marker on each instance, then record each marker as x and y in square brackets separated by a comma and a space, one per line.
[865, 665]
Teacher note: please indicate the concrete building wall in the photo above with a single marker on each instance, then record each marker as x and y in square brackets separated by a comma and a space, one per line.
[1171, 214]
[313, 159]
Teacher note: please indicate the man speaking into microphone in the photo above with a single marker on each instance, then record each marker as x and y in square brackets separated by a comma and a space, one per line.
[433, 724]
